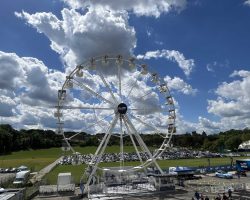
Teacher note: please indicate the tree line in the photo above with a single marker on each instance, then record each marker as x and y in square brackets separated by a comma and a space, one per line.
[15, 140]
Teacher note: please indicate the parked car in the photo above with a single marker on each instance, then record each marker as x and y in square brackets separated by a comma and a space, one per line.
[21, 177]
[2, 190]
[223, 174]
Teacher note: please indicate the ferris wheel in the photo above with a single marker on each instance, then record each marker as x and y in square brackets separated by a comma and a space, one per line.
[118, 97]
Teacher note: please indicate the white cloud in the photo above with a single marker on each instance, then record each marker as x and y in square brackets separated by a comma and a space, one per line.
[10, 70]
[212, 67]
[101, 27]
[180, 85]
[247, 3]
[241, 73]
[79, 37]
[208, 125]
[26, 85]
[232, 104]
[7, 106]
[159, 43]
[138, 7]
[186, 65]
[149, 33]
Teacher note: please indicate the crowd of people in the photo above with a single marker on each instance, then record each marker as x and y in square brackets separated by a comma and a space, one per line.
[133, 156]
[224, 196]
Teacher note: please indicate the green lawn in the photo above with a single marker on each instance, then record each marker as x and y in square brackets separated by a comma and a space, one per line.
[37, 159]
[34, 159]
[77, 171]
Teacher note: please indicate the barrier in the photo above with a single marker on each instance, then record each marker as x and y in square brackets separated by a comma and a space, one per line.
[47, 189]
[223, 187]
[66, 188]
[247, 186]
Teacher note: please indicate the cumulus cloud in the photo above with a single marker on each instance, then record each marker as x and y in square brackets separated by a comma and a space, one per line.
[186, 65]
[10, 70]
[247, 3]
[232, 104]
[98, 28]
[240, 73]
[79, 37]
[26, 76]
[138, 7]
[208, 125]
[212, 67]
[26, 84]
[179, 85]
[7, 106]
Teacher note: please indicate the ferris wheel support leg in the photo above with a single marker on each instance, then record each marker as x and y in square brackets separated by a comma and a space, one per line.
[133, 141]
[67, 142]
[101, 150]
[139, 139]
[121, 145]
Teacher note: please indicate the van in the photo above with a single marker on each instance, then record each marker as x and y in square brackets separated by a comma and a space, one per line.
[21, 177]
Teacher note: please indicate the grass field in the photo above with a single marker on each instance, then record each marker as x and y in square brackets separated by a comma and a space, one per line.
[77, 171]
[37, 159]
[34, 159]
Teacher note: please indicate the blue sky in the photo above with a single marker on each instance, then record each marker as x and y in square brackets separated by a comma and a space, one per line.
[211, 40]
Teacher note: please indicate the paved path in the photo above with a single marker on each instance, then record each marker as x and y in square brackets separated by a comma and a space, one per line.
[38, 177]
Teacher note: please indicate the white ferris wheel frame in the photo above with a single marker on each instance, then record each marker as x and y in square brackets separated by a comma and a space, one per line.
[124, 120]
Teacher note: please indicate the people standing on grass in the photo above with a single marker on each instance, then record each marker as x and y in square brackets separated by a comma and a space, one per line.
[230, 193]
[218, 197]
[224, 197]
[238, 174]
[197, 195]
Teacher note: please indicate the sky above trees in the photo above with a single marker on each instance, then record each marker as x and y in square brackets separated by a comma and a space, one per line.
[201, 49]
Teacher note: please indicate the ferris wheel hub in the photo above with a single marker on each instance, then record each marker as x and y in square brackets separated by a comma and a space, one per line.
[122, 108]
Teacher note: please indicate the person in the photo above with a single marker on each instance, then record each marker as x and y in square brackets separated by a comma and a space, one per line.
[206, 198]
[230, 193]
[218, 197]
[197, 195]
[224, 196]
[238, 174]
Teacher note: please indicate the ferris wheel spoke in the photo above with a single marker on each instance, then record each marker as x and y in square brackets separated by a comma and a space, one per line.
[92, 92]
[121, 145]
[144, 123]
[143, 96]
[84, 108]
[91, 125]
[99, 124]
[120, 82]
[139, 139]
[133, 86]
[106, 84]
[144, 109]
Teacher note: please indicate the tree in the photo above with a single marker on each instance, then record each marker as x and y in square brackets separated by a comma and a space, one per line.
[233, 142]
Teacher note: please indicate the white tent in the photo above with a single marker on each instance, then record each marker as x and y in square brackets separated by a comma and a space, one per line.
[244, 145]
